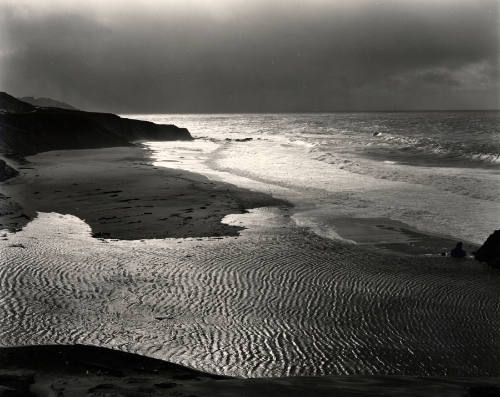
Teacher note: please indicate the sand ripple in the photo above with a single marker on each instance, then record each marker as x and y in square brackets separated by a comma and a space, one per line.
[275, 301]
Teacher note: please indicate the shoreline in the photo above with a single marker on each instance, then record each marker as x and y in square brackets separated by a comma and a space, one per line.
[301, 263]
[372, 230]
[389, 236]
[122, 195]
[80, 370]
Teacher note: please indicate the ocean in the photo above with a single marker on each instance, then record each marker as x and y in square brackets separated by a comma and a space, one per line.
[436, 172]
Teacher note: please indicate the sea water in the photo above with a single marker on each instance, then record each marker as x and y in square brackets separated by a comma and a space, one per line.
[438, 172]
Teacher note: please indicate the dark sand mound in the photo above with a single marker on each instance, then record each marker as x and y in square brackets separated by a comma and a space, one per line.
[91, 371]
[46, 102]
[26, 130]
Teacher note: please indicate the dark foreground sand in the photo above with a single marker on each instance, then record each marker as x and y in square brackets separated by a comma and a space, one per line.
[90, 371]
[120, 194]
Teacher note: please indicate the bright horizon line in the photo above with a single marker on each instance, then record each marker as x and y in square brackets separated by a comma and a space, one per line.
[320, 112]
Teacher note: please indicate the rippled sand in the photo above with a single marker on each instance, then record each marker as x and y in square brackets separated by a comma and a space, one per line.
[276, 301]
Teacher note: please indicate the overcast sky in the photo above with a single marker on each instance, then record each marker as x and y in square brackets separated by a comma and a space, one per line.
[252, 56]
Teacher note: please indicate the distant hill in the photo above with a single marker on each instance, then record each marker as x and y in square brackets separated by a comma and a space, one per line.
[10, 104]
[46, 102]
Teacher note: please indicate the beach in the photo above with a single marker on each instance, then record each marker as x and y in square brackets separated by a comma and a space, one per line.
[122, 195]
[259, 295]
[230, 198]
[201, 254]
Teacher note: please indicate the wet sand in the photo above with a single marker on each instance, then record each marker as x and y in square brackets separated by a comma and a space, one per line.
[79, 371]
[388, 235]
[120, 194]
[277, 300]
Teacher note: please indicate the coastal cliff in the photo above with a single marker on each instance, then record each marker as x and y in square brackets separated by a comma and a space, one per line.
[26, 129]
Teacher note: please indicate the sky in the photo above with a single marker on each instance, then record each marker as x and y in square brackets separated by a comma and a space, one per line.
[195, 56]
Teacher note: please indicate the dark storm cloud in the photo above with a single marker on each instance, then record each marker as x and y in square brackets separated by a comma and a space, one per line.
[233, 57]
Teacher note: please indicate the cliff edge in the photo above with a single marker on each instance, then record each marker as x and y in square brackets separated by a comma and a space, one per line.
[26, 129]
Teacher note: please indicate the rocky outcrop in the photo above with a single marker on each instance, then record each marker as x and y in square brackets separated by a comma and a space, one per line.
[490, 250]
[27, 130]
[24, 134]
[6, 171]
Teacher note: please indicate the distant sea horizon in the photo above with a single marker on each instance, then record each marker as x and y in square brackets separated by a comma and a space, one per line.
[303, 112]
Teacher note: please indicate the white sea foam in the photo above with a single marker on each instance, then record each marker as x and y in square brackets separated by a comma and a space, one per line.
[289, 173]
[336, 162]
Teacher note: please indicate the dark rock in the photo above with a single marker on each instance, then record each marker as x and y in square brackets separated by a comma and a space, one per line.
[458, 251]
[239, 139]
[26, 130]
[489, 252]
[6, 171]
